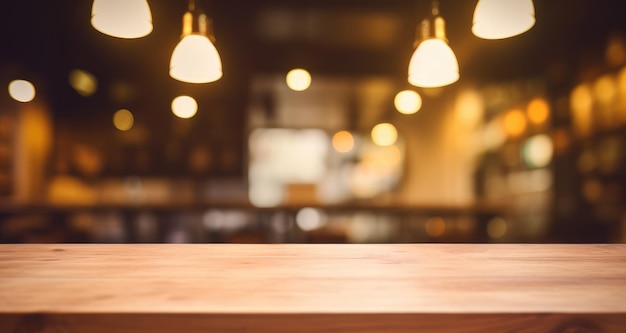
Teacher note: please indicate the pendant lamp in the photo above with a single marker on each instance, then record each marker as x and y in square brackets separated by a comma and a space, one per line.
[195, 59]
[433, 63]
[122, 18]
[499, 19]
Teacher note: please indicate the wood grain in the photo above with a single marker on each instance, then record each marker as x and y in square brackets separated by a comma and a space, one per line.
[337, 288]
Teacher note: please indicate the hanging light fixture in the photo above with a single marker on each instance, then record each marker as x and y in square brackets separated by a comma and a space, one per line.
[122, 18]
[498, 19]
[195, 58]
[433, 63]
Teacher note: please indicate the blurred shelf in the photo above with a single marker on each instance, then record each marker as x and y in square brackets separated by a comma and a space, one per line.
[393, 209]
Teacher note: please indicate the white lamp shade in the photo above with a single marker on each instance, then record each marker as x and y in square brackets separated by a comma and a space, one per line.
[498, 19]
[433, 65]
[122, 18]
[195, 60]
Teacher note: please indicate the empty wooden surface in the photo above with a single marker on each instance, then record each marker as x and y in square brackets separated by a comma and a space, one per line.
[312, 288]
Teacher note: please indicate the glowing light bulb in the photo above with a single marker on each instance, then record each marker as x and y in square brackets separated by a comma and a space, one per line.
[123, 120]
[22, 90]
[384, 134]
[122, 18]
[184, 107]
[498, 19]
[298, 79]
[195, 60]
[407, 102]
[433, 64]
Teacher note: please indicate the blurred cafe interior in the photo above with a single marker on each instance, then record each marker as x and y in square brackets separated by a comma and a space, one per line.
[313, 121]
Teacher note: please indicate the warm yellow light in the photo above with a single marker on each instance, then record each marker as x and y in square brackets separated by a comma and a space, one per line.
[122, 18]
[83, 82]
[298, 79]
[621, 91]
[538, 151]
[388, 157]
[469, 108]
[538, 111]
[384, 134]
[514, 123]
[433, 64]
[184, 107]
[195, 60]
[581, 104]
[343, 141]
[498, 19]
[605, 90]
[123, 120]
[407, 102]
[22, 90]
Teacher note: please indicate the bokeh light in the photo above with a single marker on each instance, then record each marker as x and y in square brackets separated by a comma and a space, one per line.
[83, 82]
[22, 90]
[298, 79]
[497, 227]
[435, 226]
[514, 123]
[469, 108]
[384, 134]
[184, 107]
[123, 120]
[538, 151]
[262, 193]
[309, 219]
[581, 103]
[343, 141]
[605, 90]
[538, 111]
[407, 102]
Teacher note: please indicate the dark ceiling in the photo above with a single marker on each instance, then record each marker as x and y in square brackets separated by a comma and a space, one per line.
[48, 38]
[43, 40]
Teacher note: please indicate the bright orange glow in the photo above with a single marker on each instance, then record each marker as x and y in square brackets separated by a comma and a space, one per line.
[538, 111]
[514, 123]
[343, 141]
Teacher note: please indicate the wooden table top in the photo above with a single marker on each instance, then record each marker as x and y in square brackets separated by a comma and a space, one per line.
[294, 279]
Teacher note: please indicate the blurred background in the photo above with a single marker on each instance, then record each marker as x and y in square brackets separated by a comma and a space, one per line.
[529, 145]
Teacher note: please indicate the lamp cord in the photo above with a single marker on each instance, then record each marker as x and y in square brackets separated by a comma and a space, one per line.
[435, 8]
[192, 5]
